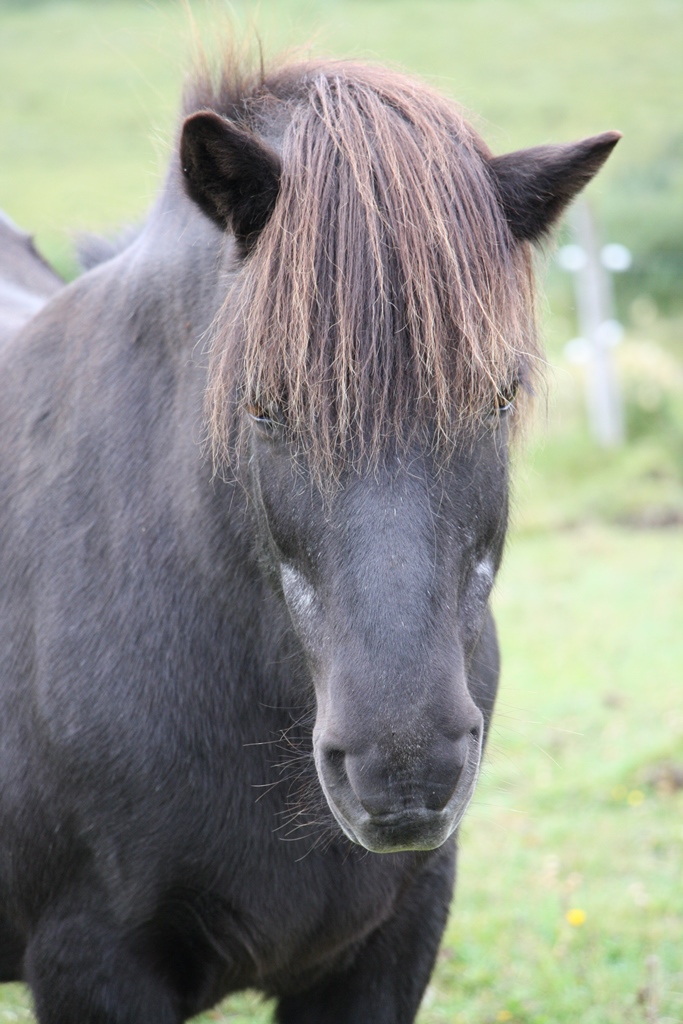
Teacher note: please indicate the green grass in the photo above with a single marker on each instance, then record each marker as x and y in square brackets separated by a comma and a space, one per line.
[590, 627]
[569, 813]
[90, 90]
[90, 97]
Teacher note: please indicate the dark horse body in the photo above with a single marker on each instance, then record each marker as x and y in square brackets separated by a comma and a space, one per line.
[26, 280]
[168, 636]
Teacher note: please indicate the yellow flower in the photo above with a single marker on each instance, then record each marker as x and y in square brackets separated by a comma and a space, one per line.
[576, 917]
[635, 797]
[504, 1015]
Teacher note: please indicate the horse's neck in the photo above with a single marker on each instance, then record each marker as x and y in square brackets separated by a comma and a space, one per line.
[180, 264]
[167, 288]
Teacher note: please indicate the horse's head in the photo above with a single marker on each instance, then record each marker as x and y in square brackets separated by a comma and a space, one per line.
[387, 581]
[380, 327]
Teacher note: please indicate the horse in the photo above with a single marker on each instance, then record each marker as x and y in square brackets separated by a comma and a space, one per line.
[254, 498]
[27, 281]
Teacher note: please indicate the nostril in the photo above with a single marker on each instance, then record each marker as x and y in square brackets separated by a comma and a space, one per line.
[437, 798]
[446, 771]
[334, 758]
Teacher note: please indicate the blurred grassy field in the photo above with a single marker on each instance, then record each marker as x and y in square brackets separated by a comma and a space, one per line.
[578, 809]
[89, 98]
[84, 82]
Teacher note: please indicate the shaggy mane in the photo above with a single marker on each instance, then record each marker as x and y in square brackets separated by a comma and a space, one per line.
[386, 297]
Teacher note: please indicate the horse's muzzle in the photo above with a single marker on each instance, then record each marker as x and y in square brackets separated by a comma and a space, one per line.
[404, 799]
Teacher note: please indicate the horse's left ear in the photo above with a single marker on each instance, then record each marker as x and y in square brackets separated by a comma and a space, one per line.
[231, 174]
[535, 185]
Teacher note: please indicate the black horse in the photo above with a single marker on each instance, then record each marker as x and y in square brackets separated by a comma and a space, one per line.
[26, 280]
[221, 686]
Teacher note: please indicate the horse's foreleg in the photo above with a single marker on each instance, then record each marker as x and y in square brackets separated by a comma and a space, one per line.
[11, 952]
[388, 977]
[81, 971]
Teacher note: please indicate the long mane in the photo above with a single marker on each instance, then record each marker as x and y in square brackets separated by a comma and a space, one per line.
[386, 296]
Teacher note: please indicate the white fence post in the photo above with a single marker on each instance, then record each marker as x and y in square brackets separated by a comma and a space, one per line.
[591, 268]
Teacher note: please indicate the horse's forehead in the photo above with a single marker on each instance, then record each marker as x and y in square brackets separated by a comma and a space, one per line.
[413, 486]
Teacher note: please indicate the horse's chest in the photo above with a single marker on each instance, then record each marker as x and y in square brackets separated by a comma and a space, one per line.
[305, 909]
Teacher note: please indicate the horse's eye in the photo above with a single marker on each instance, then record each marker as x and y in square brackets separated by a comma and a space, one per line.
[505, 399]
[258, 414]
[266, 420]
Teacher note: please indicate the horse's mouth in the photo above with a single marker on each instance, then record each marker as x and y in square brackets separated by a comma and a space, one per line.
[411, 829]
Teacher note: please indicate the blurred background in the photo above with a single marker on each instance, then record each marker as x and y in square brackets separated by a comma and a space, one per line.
[570, 901]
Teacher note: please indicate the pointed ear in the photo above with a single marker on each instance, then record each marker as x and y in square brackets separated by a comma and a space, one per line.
[232, 175]
[535, 185]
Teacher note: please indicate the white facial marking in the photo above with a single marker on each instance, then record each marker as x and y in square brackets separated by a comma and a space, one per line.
[485, 571]
[299, 593]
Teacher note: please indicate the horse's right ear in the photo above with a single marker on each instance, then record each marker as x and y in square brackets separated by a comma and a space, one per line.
[232, 175]
[535, 185]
